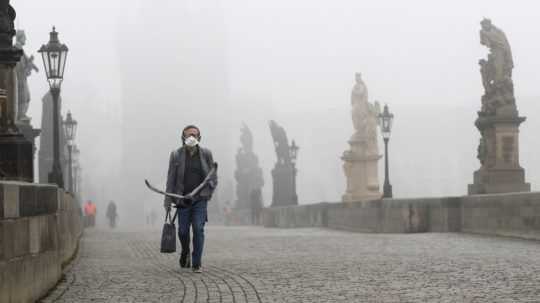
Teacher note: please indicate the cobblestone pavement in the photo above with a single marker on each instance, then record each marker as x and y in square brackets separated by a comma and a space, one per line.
[253, 264]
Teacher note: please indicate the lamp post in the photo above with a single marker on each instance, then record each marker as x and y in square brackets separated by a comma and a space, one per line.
[294, 155]
[70, 128]
[54, 56]
[385, 121]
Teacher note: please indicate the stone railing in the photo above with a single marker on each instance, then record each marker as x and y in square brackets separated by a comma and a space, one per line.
[40, 227]
[515, 215]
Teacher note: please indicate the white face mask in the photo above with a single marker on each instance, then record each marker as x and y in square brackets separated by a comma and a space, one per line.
[191, 141]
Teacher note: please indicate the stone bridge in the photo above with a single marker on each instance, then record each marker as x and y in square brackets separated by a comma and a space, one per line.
[45, 257]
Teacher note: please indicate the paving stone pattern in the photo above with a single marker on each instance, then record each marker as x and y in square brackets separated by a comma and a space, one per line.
[253, 264]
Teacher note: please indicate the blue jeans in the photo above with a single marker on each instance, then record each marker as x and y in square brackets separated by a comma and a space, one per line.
[195, 215]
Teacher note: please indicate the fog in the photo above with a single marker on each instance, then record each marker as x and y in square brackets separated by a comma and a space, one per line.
[138, 72]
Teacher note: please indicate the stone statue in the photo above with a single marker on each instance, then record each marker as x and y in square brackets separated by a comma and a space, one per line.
[10, 55]
[501, 53]
[248, 173]
[498, 120]
[496, 71]
[246, 138]
[16, 152]
[24, 70]
[284, 172]
[359, 101]
[281, 143]
[364, 116]
[360, 161]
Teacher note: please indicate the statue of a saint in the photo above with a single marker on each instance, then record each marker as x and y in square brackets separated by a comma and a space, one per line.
[496, 71]
[280, 143]
[364, 115]
[360, 161]
[24, 69]
[501, 53]
[359, 103]
[246, 138]
[248, 173]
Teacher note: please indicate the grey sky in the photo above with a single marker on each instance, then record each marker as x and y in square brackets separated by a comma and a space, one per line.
[286, 47]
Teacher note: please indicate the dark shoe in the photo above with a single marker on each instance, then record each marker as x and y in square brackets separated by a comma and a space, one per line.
[197, 269]
[185, 260]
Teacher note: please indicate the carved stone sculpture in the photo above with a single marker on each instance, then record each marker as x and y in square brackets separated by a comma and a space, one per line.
[16, 161]
[496, 72]
[281, 143]
[359, 103]
[360, 167]
[498, 120]
[24, 70]
[501, 52]
[9, 56]
[284, 172]
[248, 173]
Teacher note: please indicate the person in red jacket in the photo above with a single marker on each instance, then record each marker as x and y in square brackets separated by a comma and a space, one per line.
[90, 213]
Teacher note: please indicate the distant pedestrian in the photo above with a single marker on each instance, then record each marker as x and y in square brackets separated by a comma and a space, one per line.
[256, 206]
[188, 167]
[227, 212]
[90, 213]
[112, 214]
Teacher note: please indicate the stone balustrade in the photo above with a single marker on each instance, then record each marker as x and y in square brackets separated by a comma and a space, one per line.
[514, 214]
[40, 227]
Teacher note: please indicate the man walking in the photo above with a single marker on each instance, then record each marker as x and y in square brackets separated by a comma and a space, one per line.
[188, 167]
[111, 214]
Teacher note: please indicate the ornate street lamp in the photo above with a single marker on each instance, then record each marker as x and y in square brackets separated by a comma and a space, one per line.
[54, 56]
[70, 128]
[385, 122]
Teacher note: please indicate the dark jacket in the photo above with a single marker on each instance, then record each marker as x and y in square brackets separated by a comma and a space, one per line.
[175, 175]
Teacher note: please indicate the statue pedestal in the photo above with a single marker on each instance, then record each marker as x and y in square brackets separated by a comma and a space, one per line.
[247, 181]
[500, 172]
[248, 177]
[361, 171]
[284, 177]
[496, 181]
[16, 158]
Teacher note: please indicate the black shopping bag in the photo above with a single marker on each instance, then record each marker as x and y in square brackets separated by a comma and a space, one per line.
[168, 235]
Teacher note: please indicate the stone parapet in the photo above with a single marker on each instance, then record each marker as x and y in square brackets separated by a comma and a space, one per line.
[386, 215]
[514, 215]
[18, 199]
[40, 227]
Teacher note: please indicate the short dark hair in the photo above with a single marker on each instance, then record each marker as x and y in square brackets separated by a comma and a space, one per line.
[191, 126]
